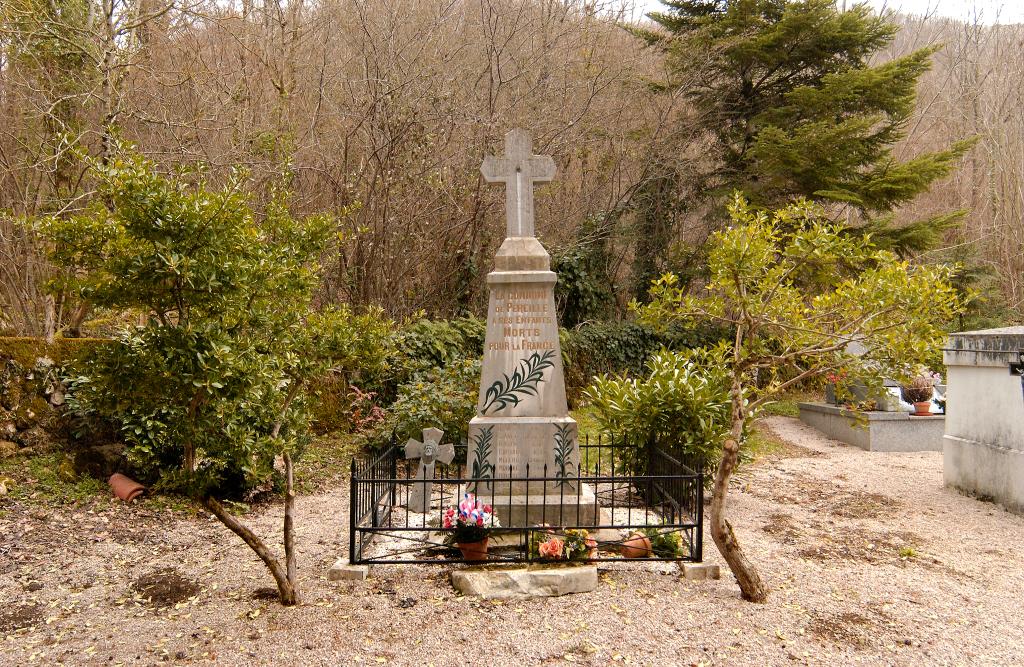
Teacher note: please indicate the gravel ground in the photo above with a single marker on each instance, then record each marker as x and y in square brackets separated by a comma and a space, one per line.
[868, 558]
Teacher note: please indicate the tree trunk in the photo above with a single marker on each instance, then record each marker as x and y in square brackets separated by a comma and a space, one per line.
[74, 329]
[289, 519]
[49, 319]
[285, 587]
[751, 586]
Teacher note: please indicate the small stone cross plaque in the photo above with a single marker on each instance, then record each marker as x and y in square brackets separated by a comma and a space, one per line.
[428, 452]
[518, 169]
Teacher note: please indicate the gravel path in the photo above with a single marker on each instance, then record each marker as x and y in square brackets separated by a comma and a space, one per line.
[869, 560]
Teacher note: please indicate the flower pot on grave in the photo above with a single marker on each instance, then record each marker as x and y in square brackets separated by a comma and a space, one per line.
[474, 551]
[637, 546]
[923, 409]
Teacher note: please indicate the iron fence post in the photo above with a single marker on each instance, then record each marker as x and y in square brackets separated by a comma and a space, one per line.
[394, 472]
[352, 513]
[699, 498]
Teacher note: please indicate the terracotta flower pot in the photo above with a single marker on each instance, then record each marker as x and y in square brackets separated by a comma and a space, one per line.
[474, 551]
[923, 409]
[125, 488]
[637, 546]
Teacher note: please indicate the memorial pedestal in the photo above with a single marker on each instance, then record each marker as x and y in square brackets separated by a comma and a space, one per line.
[522, 443]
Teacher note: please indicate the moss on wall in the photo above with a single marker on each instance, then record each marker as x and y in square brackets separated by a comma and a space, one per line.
[25, 351]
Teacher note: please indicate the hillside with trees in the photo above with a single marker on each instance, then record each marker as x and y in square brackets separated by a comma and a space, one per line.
[379, 118]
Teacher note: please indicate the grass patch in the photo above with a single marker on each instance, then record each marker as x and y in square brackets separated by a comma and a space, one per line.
[761, 443]
[586, 422]
[171, 501]
[783, 408]
[49, 479]
[325, 461]
[787, 405]
[907, 553]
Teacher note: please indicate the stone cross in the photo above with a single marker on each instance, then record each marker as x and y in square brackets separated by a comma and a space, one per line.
[518, 169]
[428, 452]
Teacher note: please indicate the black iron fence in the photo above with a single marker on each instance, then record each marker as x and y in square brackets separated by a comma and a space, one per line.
[621, 493]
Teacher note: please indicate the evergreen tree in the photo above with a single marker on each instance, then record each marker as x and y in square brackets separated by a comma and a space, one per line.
[786, 90]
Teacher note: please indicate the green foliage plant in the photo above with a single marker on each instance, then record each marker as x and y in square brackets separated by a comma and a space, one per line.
[682, 401]
[584, 291]
[665, 543]
[359, 346]
[798, 292]
[214, 382]
[442, 397]
[599, 348]
[418, 346]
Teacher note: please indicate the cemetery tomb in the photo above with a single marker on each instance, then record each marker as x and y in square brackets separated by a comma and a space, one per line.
[983, 451]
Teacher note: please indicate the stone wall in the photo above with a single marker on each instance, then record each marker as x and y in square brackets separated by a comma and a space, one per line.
[31, 391]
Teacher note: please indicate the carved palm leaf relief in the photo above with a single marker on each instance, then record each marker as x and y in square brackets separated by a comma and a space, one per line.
[564, 447]
[511, 389]
[482, 467]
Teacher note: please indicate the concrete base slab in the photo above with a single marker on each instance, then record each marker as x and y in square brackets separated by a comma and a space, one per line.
[576, 507]
[499, 584]
[342, 570]
[876, 431]
[701, 571]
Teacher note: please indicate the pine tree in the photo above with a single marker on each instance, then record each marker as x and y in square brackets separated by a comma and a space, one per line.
[794, 108]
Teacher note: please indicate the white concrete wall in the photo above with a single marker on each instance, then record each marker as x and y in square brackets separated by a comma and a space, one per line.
[985, 404]
[983, 450]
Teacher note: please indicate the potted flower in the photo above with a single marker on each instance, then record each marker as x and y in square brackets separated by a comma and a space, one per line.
[470, 523]
[665, 543]
[573, 544]
[920, 392]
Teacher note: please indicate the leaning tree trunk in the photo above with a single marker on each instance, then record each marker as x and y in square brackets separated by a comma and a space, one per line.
[285, 584]
[751, 586]
[289, 519]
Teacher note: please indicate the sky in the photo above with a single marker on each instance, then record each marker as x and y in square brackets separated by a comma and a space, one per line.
[988, 11]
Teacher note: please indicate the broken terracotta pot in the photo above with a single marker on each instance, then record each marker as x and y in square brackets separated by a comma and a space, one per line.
[637, 546]
[125, 488]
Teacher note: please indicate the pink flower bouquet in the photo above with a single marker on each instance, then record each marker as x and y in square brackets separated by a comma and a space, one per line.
[572, 544]
[470, 521]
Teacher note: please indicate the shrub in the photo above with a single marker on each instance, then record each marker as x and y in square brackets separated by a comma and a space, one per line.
[584, 289]
[683, 402]
[214, 386]
[624, 347]
[420, 346]
[359, 345]
[441, 397]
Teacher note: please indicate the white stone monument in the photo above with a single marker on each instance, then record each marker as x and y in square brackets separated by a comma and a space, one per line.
[522, 428]
[983, 453]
